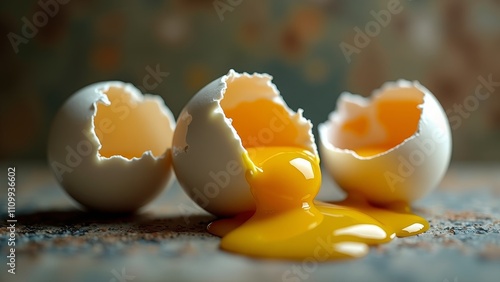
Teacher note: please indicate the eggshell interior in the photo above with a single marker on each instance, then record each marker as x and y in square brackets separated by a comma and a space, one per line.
[264, 119]
[408, 129]
[385, 121]
[127, 125]
[230, 114]
[109, 147]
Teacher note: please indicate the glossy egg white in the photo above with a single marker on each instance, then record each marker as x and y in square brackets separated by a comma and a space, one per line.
[207, 151]
[109, 147]
[408, 170]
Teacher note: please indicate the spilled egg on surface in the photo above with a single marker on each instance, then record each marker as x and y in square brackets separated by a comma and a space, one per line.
[109, 147]
[240, 153]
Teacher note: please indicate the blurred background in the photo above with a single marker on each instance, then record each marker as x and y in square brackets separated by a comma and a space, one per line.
[51, 48]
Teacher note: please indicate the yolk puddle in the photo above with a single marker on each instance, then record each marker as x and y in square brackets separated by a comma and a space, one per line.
[289, 224]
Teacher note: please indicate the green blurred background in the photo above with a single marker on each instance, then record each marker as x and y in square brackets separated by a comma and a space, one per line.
[445, 44]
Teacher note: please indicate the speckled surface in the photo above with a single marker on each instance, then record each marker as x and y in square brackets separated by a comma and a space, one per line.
[167, 241]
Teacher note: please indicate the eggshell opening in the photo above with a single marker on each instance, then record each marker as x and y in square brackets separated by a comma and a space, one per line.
[234, 112]
[374, 125]
[392, 147]
[128, 124]
[109, 144]
[260, 117]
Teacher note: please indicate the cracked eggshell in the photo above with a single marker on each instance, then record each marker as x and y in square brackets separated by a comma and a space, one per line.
[408, 123]
[109, 147]
[207, 150]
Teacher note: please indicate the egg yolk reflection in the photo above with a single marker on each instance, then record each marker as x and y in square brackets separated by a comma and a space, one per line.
[289, 224]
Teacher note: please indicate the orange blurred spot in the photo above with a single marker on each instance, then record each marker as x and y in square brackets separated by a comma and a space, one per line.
[304, 27]
[106, 57]
[316, 71]
[291, 43]
[309, 23]
[197, 76]
[250, 33]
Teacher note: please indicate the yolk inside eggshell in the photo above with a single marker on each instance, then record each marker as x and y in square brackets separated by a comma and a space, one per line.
[269, 126]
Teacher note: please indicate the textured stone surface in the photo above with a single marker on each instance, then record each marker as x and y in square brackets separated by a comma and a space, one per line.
[168, 242]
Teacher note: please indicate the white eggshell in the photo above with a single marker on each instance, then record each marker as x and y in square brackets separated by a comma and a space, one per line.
[405, 172]
[111, 183]
[207, 151]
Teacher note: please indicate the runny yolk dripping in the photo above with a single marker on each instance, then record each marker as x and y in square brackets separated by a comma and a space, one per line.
[289, 224]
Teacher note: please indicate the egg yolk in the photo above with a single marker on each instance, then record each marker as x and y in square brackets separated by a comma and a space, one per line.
[284, 180]
[370, 151]
[289, 224]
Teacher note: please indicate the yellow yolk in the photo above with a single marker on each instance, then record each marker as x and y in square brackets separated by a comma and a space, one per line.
[284, 180]
[289, 224]
[262, 128]
[370, 151]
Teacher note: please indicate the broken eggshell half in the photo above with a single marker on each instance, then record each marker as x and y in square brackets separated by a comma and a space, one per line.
[232, 113]
[109, 147]
[392, 147]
